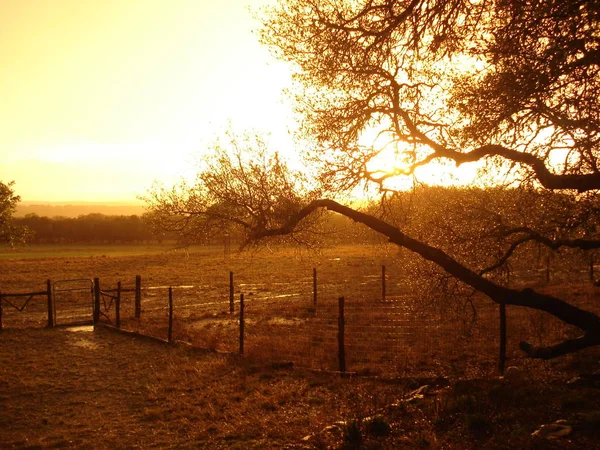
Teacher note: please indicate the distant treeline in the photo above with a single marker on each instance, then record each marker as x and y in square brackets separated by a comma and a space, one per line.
[133, 229]
[89, 228]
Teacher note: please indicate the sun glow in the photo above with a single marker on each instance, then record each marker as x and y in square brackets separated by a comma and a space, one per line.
[99, 99]
[393, 161]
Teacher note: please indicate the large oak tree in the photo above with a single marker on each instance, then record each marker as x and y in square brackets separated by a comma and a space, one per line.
[385, 87]
[515, 85]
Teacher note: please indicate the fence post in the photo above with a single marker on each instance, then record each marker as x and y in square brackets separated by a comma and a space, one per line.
[341, 331]
[383, 282]
[118, 306]
[231, 306]
[96, 300]
[315, 288]
[50, 304]
[170, 334]
[138, 296]
[502, 360]
[1, 311]
[241, 324]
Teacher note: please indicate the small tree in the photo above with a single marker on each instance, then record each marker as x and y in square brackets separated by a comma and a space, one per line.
[9, 233]
[240, 187]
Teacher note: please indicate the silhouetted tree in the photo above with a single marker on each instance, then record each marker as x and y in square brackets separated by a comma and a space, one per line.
[240, 187]
[515, 85]
[10, 233]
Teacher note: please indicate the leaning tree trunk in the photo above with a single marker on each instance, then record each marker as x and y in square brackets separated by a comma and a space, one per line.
[587, 321]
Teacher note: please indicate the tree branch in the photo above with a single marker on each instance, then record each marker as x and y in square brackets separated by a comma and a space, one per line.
[554, 244]
[584, 320]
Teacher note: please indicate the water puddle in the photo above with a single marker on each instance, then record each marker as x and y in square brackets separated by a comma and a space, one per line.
[285, 321]
[185, 286]
[81, 328]
[87, 344]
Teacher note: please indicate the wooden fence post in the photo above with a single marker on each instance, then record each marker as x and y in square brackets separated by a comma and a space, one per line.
[96, 300]
[241, 324]
[383, 282]
[341, 332]
[170, 333]
[315, 288]
[231, 306]
[50, 303]
[138, 296]
[1, 301]
[118, 306]
[502, 359]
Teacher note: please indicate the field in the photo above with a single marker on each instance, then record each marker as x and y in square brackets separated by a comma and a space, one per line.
[105, 390]
[83, 250]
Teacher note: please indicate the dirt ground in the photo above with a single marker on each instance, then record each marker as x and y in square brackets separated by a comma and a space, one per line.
[64, 389]
[76, 388]
[98, 389]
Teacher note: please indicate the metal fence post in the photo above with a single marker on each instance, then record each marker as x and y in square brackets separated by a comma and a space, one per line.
[170, 333]
[118, 306]
[341, 331]
[50, 304]
[383, 282]
[138, 296]
[96, 300]
[315, 288]
[502, 359]
[231, 305]
[241, 324]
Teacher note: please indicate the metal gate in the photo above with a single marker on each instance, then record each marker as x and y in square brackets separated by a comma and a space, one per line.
[73, 301]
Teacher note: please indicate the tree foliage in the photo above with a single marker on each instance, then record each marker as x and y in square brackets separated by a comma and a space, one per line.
[511, 82]
[9, 232]
[240, 186]
[384, 87]
[87, 228]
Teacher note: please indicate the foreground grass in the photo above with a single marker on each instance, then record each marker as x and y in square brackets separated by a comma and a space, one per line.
[101, 390]
[97, 389]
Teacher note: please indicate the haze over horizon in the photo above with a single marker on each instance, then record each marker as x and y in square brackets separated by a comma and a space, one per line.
[101, 99]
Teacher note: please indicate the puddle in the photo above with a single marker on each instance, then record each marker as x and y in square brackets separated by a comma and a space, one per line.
[87, 344]
[335, 259]
[82, 328]
[152, 288]
[285, 321]
[283, 295]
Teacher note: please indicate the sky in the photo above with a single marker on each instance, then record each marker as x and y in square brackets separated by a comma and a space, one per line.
[100, 98]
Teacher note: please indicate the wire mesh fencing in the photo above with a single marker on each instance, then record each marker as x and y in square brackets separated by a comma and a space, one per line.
[292, 314]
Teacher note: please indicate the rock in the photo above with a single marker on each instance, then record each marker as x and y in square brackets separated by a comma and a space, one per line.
[513, 373]
[554, 430]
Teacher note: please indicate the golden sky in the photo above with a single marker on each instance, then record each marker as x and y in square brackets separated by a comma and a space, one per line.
[99, 98]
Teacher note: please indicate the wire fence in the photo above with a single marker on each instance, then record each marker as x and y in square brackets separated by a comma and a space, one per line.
[385, 329]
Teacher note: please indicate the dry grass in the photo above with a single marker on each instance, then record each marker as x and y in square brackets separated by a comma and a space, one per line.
[103, 390]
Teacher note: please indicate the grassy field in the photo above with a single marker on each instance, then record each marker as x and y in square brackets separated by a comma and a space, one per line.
[400, 342]
[406, 332]
[85, 250]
